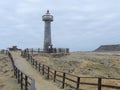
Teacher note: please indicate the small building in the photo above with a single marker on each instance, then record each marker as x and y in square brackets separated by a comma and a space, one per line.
[14, 48]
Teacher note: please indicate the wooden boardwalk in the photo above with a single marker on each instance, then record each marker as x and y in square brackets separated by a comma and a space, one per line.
[40, 82]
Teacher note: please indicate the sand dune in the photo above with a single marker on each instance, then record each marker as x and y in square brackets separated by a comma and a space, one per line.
[7, 80]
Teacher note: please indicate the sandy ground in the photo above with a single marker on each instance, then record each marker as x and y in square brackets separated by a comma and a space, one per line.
[7, 80]
[83, 64]
[40, 82]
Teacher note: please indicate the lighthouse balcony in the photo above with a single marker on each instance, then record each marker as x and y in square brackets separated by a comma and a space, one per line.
[47, 18]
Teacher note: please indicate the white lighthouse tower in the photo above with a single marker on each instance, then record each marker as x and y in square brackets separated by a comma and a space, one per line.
[47, 18]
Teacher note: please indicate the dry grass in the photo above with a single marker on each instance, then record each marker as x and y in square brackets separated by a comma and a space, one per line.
[88, 64]
[7, 80]
[85, 64]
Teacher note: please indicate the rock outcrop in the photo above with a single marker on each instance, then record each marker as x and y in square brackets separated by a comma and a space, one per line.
[107, 48]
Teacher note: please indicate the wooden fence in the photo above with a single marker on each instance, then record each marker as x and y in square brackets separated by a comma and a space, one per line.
[26, 82]
[66, 79]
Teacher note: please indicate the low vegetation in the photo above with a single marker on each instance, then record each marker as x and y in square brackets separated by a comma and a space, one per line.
[85, 64]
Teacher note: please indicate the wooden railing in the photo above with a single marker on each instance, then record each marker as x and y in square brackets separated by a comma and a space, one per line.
[66, 79]
[26, 82]
[53, 50]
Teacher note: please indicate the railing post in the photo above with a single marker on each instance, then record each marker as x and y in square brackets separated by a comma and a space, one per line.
[43, 69]
[36, 64]
[18, 74]
[48, 72]
[23, 53]
[39, 67]
[28, 57]
[54, 76]
[21, 80]
[78, 83]
[99, 83]
[63, 82]
[14, 70]
[26, 83]
[33, 61]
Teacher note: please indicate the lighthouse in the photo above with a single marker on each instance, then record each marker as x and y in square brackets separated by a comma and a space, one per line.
[47, 18]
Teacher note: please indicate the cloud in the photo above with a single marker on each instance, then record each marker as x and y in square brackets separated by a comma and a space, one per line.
[78, 24]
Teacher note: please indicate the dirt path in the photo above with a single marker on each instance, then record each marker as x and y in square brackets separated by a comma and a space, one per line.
[40, 82]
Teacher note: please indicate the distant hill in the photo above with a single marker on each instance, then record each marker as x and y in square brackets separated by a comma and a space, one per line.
[107, 48]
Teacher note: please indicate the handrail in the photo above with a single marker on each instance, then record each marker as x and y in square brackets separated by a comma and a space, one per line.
[20, 76]
[53, 50]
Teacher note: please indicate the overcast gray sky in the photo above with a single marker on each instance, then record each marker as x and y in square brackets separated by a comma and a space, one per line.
[80, 25]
